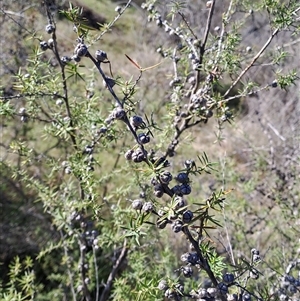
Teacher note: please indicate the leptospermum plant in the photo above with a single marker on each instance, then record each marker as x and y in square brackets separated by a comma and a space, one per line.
[109, 175]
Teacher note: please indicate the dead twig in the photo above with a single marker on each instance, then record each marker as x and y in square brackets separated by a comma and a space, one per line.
[115, 269]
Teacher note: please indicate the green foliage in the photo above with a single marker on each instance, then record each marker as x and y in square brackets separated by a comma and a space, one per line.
[21, 284]
[126, 202]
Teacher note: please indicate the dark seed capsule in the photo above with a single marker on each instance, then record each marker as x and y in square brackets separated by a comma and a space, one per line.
[49, 28]
[182, 177]
[163, 285]
[187, 216]
[136, 121]
[143, 138]
[166, 177]
[180, 202]
[81, 50]
[223, 288]
[137, 204]
[274, 84]
[228, 278]
[118, 113]
[187, 271]
[177, 226]
[65, 59]
[128, 154]
[161, 223]
[148, 207]
[101, 55]
[185, 189]
[44, 45]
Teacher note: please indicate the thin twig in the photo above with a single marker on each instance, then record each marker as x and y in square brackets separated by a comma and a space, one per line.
[112, 275]
[244, 94]
[245, 289]
[175, 64]
[119, 102]
[85, 289]
[98, 66]
[64, 79]
[256, 57]
[203, 261]
[275, 131]
[203, 45]
[208, 25]
[113, 22]
[7, 13]
[96, 273]
[221, 37]
[68, 266]
[39, 93]
[187, 24]
[230, 251]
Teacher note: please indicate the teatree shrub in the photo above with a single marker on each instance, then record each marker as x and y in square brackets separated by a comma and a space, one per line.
[113, 167]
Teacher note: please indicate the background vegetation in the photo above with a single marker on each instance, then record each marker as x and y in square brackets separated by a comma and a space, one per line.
[150, 151]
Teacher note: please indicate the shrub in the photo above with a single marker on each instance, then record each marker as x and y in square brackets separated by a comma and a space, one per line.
[109, 190]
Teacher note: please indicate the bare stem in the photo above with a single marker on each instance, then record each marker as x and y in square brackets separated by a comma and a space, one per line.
[84, 278]
[69, 269]
[203, 261]
[96, 273]
[203, 45]
[112, 275]
[257, 56]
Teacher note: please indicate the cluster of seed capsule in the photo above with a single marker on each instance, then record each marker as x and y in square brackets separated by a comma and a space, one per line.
[50, 28]
[80, 51]
[23, 114]
[176, 213]
[192, 261]
[139, 125]
[209, 293]
[288, 286]
[200, 104]
[88, 233]
[138, 154]
[89, 160]
[193, 43]
[176, 292]
[88, 156]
